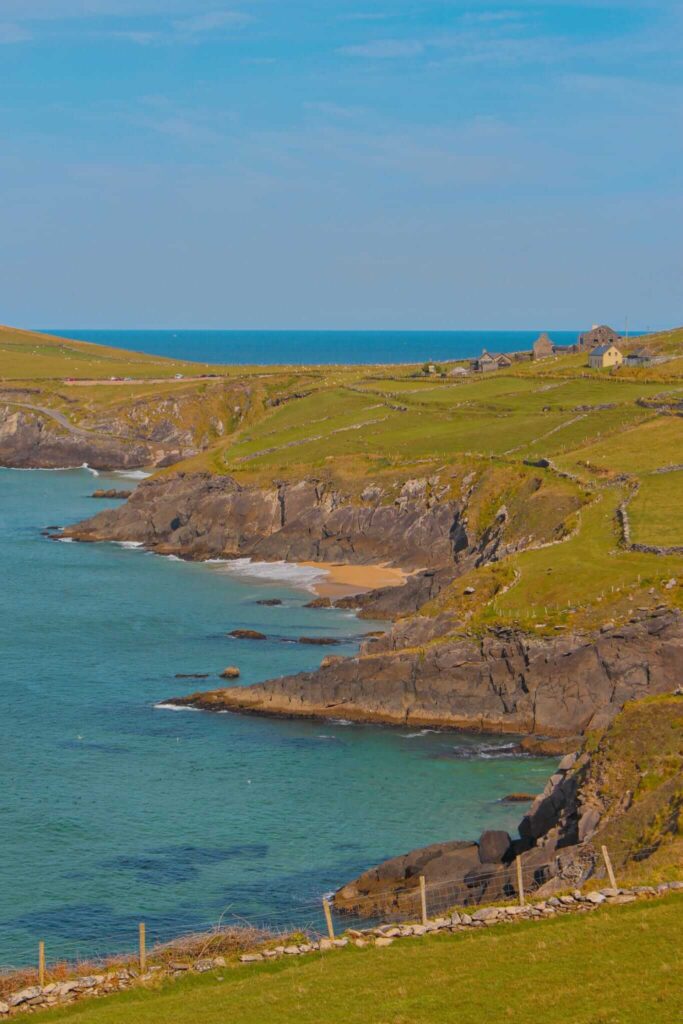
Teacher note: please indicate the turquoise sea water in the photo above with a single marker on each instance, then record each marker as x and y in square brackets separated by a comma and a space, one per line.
[302, 347]
[114, 811]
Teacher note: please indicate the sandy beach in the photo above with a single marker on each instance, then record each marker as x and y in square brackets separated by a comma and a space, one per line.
[343, 580]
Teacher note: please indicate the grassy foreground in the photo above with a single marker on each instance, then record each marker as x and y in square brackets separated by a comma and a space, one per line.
[617, 965]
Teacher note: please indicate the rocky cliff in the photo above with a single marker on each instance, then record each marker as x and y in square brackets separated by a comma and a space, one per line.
[201, 516]
[504, 682]
[624, 788]
[32, 437]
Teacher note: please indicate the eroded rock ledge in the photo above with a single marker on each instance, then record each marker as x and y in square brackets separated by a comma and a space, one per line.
[504, 683]
[200, 516]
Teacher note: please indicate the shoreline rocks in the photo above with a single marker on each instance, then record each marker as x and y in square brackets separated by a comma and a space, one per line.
[555, 688]
[111, 493]
[320, 641]
[200, 516]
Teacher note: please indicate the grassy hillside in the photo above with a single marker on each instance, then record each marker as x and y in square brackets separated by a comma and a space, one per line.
[637, 775]
[607, 434]
[556, 971]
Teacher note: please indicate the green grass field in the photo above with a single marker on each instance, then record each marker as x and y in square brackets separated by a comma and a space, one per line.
[620, 965]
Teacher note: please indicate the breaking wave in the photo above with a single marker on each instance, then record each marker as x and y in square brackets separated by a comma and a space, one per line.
[291, 573]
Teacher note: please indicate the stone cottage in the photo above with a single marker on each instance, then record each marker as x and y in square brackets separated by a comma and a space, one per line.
[605, 356]
[598, 335]
[542, 347]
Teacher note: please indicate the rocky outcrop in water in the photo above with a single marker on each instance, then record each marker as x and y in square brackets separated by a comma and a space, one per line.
[505, 682]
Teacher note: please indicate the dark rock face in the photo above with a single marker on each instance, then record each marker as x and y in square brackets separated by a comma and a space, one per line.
[394, 884]
[31, 440]
[505, 683]
[494, 846]
[111, 493]
[201, 516]
[455, 874]
[392, 602]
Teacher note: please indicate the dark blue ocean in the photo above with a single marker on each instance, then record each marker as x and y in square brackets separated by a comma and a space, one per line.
[305, 347]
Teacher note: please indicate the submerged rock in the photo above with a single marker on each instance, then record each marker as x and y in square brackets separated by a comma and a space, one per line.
[320, 641]
[247, 634]
[111, 493]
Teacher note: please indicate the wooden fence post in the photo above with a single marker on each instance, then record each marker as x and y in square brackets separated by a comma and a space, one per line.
[142, 948]
[520, 880]
[328, 918]
[610, 870]
[41, 964]
[423, 899]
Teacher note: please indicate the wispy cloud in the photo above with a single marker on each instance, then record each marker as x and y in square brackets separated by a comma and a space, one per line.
[367, 16]
[211, 22]
[184, 125]
[334, 110]
[12, 33]
[490, 17]
[193, 29]
[385, 49]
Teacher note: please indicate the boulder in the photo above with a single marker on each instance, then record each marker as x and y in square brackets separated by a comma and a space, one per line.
[247, 634]
[486, 914]
[494, 846]
[24, 995]
[231, 672]
[112, 493]
[270, 602]
[588, 822]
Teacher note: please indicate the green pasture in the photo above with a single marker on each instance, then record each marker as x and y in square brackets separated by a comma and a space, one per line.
[617, 965]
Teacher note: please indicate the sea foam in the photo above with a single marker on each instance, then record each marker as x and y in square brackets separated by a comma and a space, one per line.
[291, 573]
[132, 474]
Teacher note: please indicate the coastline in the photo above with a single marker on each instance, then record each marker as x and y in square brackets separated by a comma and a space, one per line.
[344, 580]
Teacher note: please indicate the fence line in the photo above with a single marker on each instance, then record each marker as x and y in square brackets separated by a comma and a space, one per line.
[416, 901]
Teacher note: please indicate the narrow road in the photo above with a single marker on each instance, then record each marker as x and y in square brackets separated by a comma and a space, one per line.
[58, 417]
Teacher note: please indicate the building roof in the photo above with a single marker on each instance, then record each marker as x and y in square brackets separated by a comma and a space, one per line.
[602, 350]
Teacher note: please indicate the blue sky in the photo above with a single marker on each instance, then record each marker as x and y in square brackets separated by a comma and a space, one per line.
[342, 164]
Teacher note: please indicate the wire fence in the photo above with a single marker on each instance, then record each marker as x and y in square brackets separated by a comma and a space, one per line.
[417, 899]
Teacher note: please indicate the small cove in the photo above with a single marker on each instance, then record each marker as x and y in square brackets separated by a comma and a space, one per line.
[114, 810]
